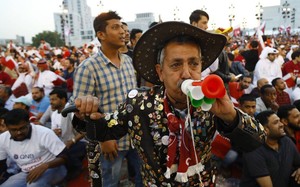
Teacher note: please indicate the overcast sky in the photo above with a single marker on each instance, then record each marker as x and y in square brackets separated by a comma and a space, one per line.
[29, 17]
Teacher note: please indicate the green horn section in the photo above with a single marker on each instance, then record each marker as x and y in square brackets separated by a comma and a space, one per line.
[195, 103]
[209, 100]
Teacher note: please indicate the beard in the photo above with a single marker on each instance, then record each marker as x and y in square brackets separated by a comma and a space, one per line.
[244, 87]
[294, 127]
[18, 139]
[38, 99]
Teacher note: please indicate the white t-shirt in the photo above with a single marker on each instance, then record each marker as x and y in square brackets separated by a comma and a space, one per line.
[64, 123]
[43, 146]
[56, 120]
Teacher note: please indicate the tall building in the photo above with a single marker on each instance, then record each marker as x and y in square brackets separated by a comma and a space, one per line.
[75, 23]
[142, 21]
[286, 15]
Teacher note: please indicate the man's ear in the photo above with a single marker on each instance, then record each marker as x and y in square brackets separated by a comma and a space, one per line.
[101, 35]
[266, 129]
[158, 69]
[194, 24]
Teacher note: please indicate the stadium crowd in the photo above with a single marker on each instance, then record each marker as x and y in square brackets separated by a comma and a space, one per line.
[261, 75]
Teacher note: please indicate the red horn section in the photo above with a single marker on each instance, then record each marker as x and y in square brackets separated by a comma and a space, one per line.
[213, 87]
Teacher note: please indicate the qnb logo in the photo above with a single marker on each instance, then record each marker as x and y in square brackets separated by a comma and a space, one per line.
[26, 156]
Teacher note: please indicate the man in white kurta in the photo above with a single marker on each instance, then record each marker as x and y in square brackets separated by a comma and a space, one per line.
[46, 78]
[266, 67]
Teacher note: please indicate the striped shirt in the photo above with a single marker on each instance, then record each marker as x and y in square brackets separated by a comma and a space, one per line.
[99, 77]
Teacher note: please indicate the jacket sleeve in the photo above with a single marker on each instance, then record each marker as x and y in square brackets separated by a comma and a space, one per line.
[108, 128]
[245, 134]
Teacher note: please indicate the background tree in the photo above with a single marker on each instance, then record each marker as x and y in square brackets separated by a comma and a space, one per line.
[53, 38]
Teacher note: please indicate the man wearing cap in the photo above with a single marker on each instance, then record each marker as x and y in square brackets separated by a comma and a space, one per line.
[165, 55]
[26, 63]
[266, 67]
[47, 79]
[24, 102]
[23, 84]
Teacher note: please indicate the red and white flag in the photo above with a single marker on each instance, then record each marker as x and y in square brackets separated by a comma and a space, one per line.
[288, 30]
[9, 62]
[237, 31]
[281, 28]
[290, 83]
[262, 27]
[260, 39]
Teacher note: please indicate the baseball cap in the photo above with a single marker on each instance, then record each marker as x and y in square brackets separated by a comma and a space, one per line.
[23, 99]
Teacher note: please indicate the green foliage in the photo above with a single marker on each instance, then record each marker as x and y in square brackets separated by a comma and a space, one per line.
[53, 38]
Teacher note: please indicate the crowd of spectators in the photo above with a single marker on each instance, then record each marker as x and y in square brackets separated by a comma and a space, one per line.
[264, 82]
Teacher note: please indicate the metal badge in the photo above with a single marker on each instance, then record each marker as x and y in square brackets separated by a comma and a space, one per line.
[165, 140]
[137, 137]
[160, 107]
[158, 117]
[149, 105]
[107, 116]
[132, 93]
[142, 106]
[133, 101]
[136, 119]
[116, 114]
[130, 123]
[129, 108]
[112, 123]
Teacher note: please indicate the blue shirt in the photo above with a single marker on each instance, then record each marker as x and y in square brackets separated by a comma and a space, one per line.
[40, 107]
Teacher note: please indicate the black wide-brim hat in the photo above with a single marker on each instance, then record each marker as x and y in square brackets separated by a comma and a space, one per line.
[153, 40]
